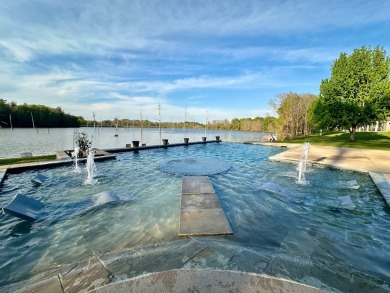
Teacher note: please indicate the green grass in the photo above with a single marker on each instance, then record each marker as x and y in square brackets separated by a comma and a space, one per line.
[363, 140]
[11, 161]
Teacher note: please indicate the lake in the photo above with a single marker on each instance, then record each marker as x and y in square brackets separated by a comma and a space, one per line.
[46, 141]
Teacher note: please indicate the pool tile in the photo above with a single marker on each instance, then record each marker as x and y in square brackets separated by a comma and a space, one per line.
[151, 258]
[84, 275]
[201, 212]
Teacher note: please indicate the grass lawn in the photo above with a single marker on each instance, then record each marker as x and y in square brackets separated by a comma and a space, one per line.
[10, 161]
[363, 140]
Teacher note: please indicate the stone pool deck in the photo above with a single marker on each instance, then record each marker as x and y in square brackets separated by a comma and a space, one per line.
[200, 264]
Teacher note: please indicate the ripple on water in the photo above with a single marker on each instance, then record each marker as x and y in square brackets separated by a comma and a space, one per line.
[309, 224]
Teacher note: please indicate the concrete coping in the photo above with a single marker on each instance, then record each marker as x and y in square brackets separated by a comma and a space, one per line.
[162, 146]
[382, 181]
[3, 172]
[89, 275]
[206, 281]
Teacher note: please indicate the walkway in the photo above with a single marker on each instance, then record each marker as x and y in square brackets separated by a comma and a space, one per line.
[200, 211]
[361, 160]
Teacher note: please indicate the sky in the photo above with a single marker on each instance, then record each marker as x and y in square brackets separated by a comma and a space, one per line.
[197, 59]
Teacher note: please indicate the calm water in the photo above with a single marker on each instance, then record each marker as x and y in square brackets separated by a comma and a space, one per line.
[304, 235]
[48, 141]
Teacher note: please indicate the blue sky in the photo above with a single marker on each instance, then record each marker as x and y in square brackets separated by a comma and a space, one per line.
[220, 59]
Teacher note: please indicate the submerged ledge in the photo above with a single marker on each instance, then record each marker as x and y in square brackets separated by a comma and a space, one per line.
[132, 149]
[206, 281]
[140, 270]
[105, 154]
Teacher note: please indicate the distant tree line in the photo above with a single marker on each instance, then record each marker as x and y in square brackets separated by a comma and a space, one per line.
[137, 123]
[13, 115]
[260, 124]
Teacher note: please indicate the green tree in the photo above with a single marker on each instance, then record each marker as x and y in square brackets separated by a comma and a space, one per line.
[22, 116]
[5, 111]
[292, 110]
[357, 93]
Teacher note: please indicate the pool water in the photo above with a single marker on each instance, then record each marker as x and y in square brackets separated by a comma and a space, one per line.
[304, 234]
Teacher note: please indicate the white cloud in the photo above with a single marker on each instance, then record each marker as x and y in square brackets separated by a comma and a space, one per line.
[120, 57]
[47, 27]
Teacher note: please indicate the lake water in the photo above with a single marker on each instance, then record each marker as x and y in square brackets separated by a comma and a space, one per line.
[48, 141]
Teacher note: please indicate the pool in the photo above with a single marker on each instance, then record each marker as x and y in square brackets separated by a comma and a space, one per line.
[304, 235]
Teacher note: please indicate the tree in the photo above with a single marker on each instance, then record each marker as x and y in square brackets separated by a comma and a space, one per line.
[43, 116]
[357, 93]
[292, 110]
[5, 111]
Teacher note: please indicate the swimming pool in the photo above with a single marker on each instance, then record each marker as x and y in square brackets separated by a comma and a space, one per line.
[304, 234]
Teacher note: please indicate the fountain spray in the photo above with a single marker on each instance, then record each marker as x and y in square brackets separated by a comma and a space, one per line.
[303, 162]
[76, 159]
[91, 167]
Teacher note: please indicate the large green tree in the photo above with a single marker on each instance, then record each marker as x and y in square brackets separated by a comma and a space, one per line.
[357, 93]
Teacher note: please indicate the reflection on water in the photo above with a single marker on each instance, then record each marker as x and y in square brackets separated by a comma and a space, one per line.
[305, 235]
[44, 142]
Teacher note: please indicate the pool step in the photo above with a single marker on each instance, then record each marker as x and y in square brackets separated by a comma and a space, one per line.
[200, 210]
[382, 181]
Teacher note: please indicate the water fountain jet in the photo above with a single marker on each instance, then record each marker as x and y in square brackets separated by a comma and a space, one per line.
[91, 167]
[302, 163]
[76, 159]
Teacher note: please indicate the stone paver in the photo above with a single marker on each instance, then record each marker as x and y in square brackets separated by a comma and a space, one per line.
[383, 183]
[46, 282]
[61, 155]
[47, 285]
[3, 171]
[361, 160]
[84, 276]
[151, 258]
[206, 281]
[200, 210]
[196, 185]
[216, 257]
